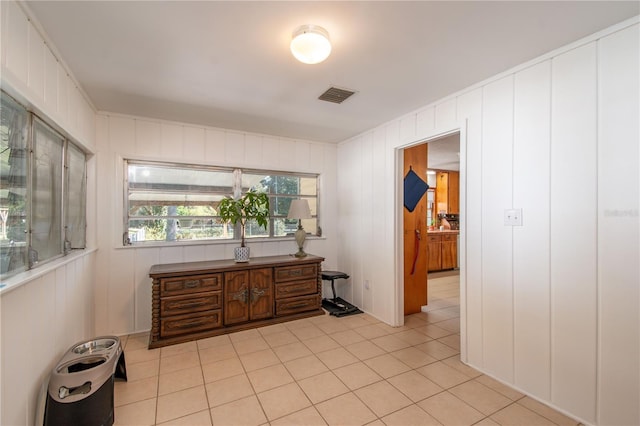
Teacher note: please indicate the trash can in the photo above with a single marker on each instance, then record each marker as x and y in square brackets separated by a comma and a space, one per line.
[80, 390]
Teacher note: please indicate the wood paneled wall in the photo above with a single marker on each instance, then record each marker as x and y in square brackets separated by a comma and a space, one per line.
[123, 286]
[52, 307]
[34, 73]
[551, 307]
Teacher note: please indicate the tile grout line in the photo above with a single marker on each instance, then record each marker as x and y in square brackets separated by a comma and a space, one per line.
[437, 359]
[204, 384]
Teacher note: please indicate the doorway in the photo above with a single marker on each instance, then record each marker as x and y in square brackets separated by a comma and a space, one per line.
[442, 155]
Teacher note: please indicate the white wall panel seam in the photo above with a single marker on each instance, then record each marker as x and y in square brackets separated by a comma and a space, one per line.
[481, 277]
[465, 334]
[597, 224]
[549, 282]
[3, 62]
[551, 205]
[107, 152]
[28, 58]
[513, 272]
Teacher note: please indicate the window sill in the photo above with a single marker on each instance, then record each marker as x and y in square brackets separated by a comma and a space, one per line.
[182, 243]
[22, 278]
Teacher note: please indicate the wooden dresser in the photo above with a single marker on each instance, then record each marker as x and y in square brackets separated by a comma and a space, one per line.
[194, 300]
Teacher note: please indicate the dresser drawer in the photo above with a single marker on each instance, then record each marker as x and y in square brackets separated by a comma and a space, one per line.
[293, 273]
[434, 238]
[296, 288]
[190, 323]
[297, 304]
[190, 284]
[450, 237]
[176, 305]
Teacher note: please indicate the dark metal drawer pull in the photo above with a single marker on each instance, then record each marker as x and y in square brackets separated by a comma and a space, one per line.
[291, 288]
[191, 283]
[188, 305]
[295, 272]
[297, 305]
[190, 324]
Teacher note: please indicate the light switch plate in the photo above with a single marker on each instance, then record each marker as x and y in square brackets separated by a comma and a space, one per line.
[513, 217]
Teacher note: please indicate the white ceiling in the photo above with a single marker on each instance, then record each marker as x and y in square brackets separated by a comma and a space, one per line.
[227, 64]
[444, 154]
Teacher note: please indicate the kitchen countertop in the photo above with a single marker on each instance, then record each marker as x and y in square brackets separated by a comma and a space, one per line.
[446, 231]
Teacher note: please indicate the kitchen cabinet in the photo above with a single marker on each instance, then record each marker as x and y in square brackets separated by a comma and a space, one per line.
[449, 253]
[453, 193]
[434, 252]
[447, 199]
[194, 300]
[442, 251]
[442, 193]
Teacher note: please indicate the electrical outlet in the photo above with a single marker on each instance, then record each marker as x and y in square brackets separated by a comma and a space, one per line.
[513, 217]
[366, 284]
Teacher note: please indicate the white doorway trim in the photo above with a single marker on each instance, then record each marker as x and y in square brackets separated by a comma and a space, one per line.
[398, 306]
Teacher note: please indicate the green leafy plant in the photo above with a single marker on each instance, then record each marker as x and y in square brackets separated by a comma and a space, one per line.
[254, 205]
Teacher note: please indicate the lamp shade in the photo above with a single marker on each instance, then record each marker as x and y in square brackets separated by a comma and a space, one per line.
[299, 210]
[310, 44]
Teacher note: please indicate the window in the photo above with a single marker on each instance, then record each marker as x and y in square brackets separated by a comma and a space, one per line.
[282, 189]
[178, 202]
[46, 178]
[42, 175]
[14, 127]
[168, 202]
[76, 184]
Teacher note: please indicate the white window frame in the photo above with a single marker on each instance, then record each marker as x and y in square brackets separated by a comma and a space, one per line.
[30, 258]
[236, 190]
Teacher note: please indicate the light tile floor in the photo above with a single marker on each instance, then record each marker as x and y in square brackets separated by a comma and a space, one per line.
[324, 370]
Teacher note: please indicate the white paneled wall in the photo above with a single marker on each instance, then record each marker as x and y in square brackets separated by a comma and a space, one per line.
[573, 194]
[39, 320]
[618, 228]
[531, 188]
[470, 107]
[497, 194]
[123, 286]
[32, 72]
[551, 307]
[43, 316]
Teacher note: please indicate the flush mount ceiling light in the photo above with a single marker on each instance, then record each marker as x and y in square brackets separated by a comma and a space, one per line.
[310, 44]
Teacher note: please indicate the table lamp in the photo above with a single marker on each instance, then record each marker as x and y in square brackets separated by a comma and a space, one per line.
[299, 209]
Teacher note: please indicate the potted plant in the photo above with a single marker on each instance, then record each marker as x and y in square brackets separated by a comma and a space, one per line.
[254, 205]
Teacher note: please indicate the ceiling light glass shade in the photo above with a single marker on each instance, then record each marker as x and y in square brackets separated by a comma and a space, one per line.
[310, 44]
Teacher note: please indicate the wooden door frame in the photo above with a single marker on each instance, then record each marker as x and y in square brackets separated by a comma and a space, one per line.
[398, 303]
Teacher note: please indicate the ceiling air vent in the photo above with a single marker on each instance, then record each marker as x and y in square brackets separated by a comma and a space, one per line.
[335, 95]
